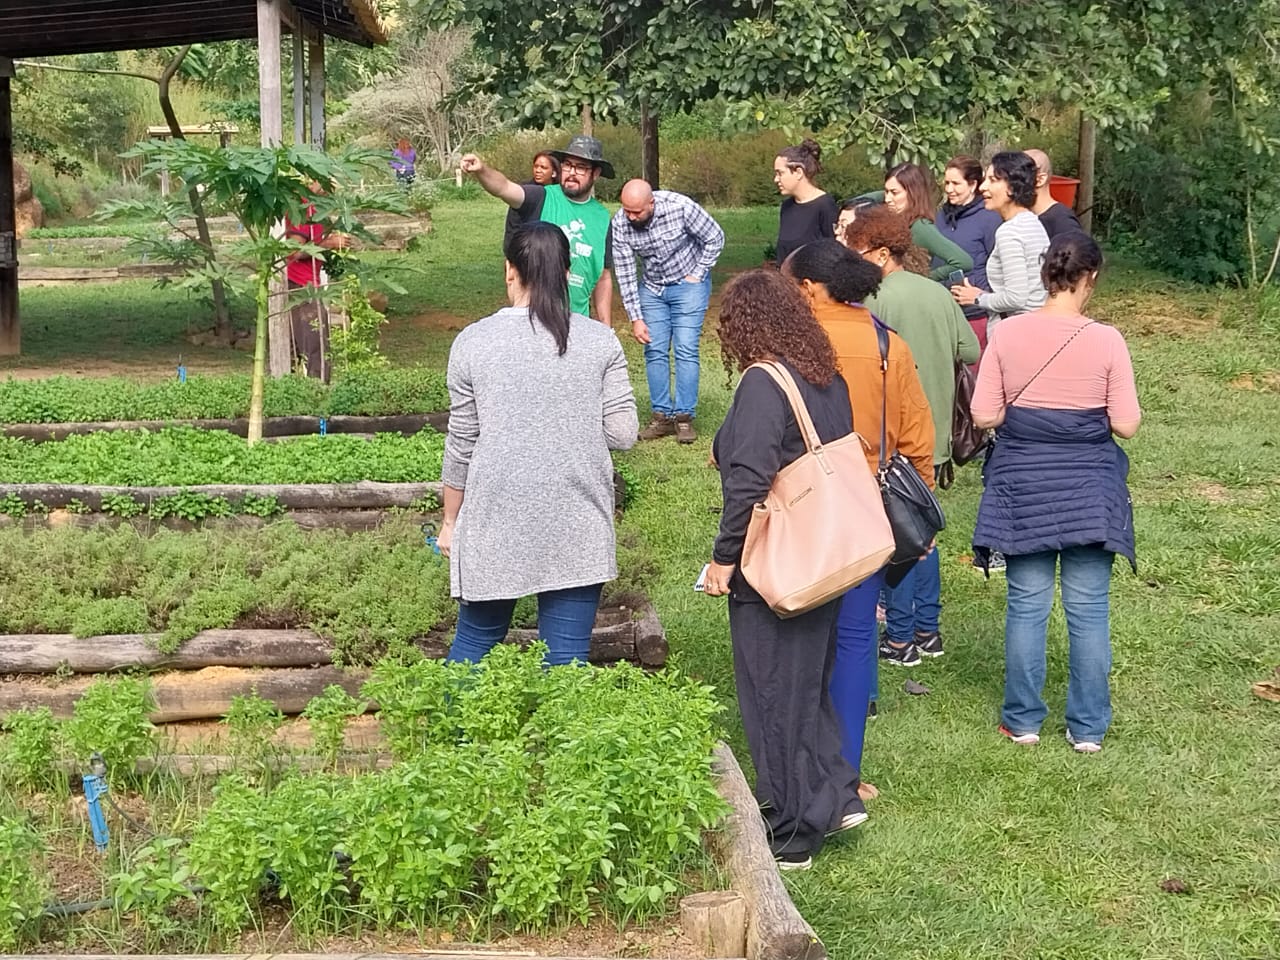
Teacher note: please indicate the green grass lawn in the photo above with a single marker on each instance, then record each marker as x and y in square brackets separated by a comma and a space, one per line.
[976, 848]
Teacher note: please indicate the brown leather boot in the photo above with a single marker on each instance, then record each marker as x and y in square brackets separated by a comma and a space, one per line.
[684, 428]
[659, 426]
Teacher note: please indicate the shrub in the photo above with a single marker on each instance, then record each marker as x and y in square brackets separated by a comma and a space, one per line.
[110, 615]
[30, 748]
[22, 887]
[111, 718]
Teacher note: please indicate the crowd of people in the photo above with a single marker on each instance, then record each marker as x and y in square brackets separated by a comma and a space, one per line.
[876, 308]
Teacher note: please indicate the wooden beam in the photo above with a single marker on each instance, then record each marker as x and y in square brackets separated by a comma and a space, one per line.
[316, 91]
[269, 92]
[10, 324]
[299, 89]
[363, 495]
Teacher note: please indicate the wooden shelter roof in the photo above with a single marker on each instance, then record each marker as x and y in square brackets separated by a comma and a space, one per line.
[46, 28]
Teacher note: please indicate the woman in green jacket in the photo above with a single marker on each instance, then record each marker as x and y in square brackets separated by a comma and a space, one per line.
[910, 190]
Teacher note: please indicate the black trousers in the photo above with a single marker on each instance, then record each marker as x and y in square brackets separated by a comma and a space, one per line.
[783, 674]
[309, 322]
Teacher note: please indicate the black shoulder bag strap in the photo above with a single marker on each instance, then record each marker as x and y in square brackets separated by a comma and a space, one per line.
[1045, 366]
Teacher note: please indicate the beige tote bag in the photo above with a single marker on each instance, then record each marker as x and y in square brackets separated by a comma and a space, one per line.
[822, 528]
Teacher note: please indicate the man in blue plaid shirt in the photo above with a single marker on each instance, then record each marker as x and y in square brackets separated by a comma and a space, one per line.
[678, 243]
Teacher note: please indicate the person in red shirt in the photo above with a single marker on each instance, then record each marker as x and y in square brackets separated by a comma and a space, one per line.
[309, 319]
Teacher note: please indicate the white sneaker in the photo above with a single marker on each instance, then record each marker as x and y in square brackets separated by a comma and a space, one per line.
[1026, 739]
[1084, 746]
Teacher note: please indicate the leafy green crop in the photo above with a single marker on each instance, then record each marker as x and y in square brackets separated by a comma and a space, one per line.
[186, 456]
[22, 887]
[87, 400]
[522, 794]
[111, 718]
[30, 748]
[368, 592]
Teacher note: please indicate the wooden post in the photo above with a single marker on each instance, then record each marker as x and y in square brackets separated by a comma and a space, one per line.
[315, 90]
[299, 88]
[588, 119]
[10, 325]
[649, 144]
[1087, 162]
[270, 104]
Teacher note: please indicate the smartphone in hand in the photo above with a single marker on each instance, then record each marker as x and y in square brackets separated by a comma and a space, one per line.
[955, 278]
[701, 583]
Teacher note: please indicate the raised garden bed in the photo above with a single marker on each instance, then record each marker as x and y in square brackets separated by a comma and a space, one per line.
[503, 797]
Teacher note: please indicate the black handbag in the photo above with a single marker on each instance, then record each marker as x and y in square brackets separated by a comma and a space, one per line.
[913, 511]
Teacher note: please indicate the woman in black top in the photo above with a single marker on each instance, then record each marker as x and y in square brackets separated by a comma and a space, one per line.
[782, 668]
[808, 213]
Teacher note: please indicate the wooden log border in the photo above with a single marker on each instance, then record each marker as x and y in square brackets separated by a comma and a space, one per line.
[405, 423]
[349, 520]
[364, 495]
[775, 928]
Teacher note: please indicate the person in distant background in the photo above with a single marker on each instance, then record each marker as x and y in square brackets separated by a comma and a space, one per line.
[309, 319]
[404, 163]
[1056, 217]
[546, 168]
[808, 212]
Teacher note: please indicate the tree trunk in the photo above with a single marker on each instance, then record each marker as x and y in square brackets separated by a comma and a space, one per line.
[649, 144]
[1087, 157]
[221, 316]
[588, 120]
[259, 355]
[10, 324]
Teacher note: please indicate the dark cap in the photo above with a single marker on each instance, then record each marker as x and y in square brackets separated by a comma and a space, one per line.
[583, 147]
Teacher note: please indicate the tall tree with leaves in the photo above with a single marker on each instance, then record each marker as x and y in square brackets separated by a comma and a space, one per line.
[265, 187]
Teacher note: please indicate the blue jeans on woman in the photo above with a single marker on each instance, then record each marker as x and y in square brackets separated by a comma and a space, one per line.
[915, 604]
[674, 316]
[565, 621]
[853, 677]
[1086, 586]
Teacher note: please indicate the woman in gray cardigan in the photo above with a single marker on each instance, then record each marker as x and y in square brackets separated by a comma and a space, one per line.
[538, 398]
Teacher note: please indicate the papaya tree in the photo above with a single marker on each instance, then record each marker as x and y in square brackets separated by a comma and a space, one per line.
[263, 187]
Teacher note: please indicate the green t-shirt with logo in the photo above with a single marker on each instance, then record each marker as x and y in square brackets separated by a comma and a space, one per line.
[586, 224]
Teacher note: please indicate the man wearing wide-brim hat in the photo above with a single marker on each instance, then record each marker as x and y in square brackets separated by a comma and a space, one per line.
[571, 205]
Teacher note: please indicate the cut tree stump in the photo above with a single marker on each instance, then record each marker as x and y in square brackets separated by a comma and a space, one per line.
[405, 423]
[775, 929]
[716, 922]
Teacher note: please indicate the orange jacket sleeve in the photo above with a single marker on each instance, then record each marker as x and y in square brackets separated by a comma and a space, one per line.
[915, 422]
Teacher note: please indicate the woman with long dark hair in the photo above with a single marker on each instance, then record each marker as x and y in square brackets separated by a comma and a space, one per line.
[1058, 387]
[1013, 269]
[782, 667]
[836, 281]
[538, 397]
[546, 168]
[910, 191]
[808, 212]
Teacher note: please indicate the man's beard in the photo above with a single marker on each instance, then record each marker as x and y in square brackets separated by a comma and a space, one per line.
[641, 224]
[578, 192]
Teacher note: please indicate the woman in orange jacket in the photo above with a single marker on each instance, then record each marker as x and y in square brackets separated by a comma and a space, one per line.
[835, 281]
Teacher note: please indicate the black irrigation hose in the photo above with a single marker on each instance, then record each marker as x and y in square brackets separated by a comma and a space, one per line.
[56, 910]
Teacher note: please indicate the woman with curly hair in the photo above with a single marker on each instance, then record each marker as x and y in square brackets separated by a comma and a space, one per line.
[1013, 269]
[806, 789]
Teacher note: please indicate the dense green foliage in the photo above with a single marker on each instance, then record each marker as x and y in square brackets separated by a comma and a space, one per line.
[22, 885]
[368, 592]
[81, 400]
[528, 795]
[187, 456]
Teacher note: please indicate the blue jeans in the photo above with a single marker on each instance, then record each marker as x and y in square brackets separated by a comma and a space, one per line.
[1086, 586]
[853, 677]
[674, 316]
[916, 602]
[565, 620]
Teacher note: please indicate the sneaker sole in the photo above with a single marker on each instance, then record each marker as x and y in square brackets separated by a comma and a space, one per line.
[1020, 739]
[900, 663]
[788, 867]
[849, 822]
[1083, 746]
[927, 653]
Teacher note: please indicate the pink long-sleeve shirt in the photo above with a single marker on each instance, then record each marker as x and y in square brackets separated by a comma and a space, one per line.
[1094, 370]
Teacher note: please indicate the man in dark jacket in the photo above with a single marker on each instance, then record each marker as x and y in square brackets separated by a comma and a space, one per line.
[1056, 217]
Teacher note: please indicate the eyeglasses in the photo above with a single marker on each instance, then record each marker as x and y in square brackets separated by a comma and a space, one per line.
[577, 166]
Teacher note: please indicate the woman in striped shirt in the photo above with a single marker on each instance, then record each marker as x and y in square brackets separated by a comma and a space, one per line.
[1013, 269]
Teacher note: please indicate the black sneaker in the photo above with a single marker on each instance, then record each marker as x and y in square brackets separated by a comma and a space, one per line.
[793, 861]
[905, 656]
[929, 644]
[872, 710]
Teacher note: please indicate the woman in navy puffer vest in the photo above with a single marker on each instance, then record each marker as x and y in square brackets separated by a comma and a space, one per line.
[1059, 388]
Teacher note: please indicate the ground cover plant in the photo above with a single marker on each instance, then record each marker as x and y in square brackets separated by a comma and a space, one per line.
[367, 592]
[84, 400]
[519, 798]
[187, 456]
